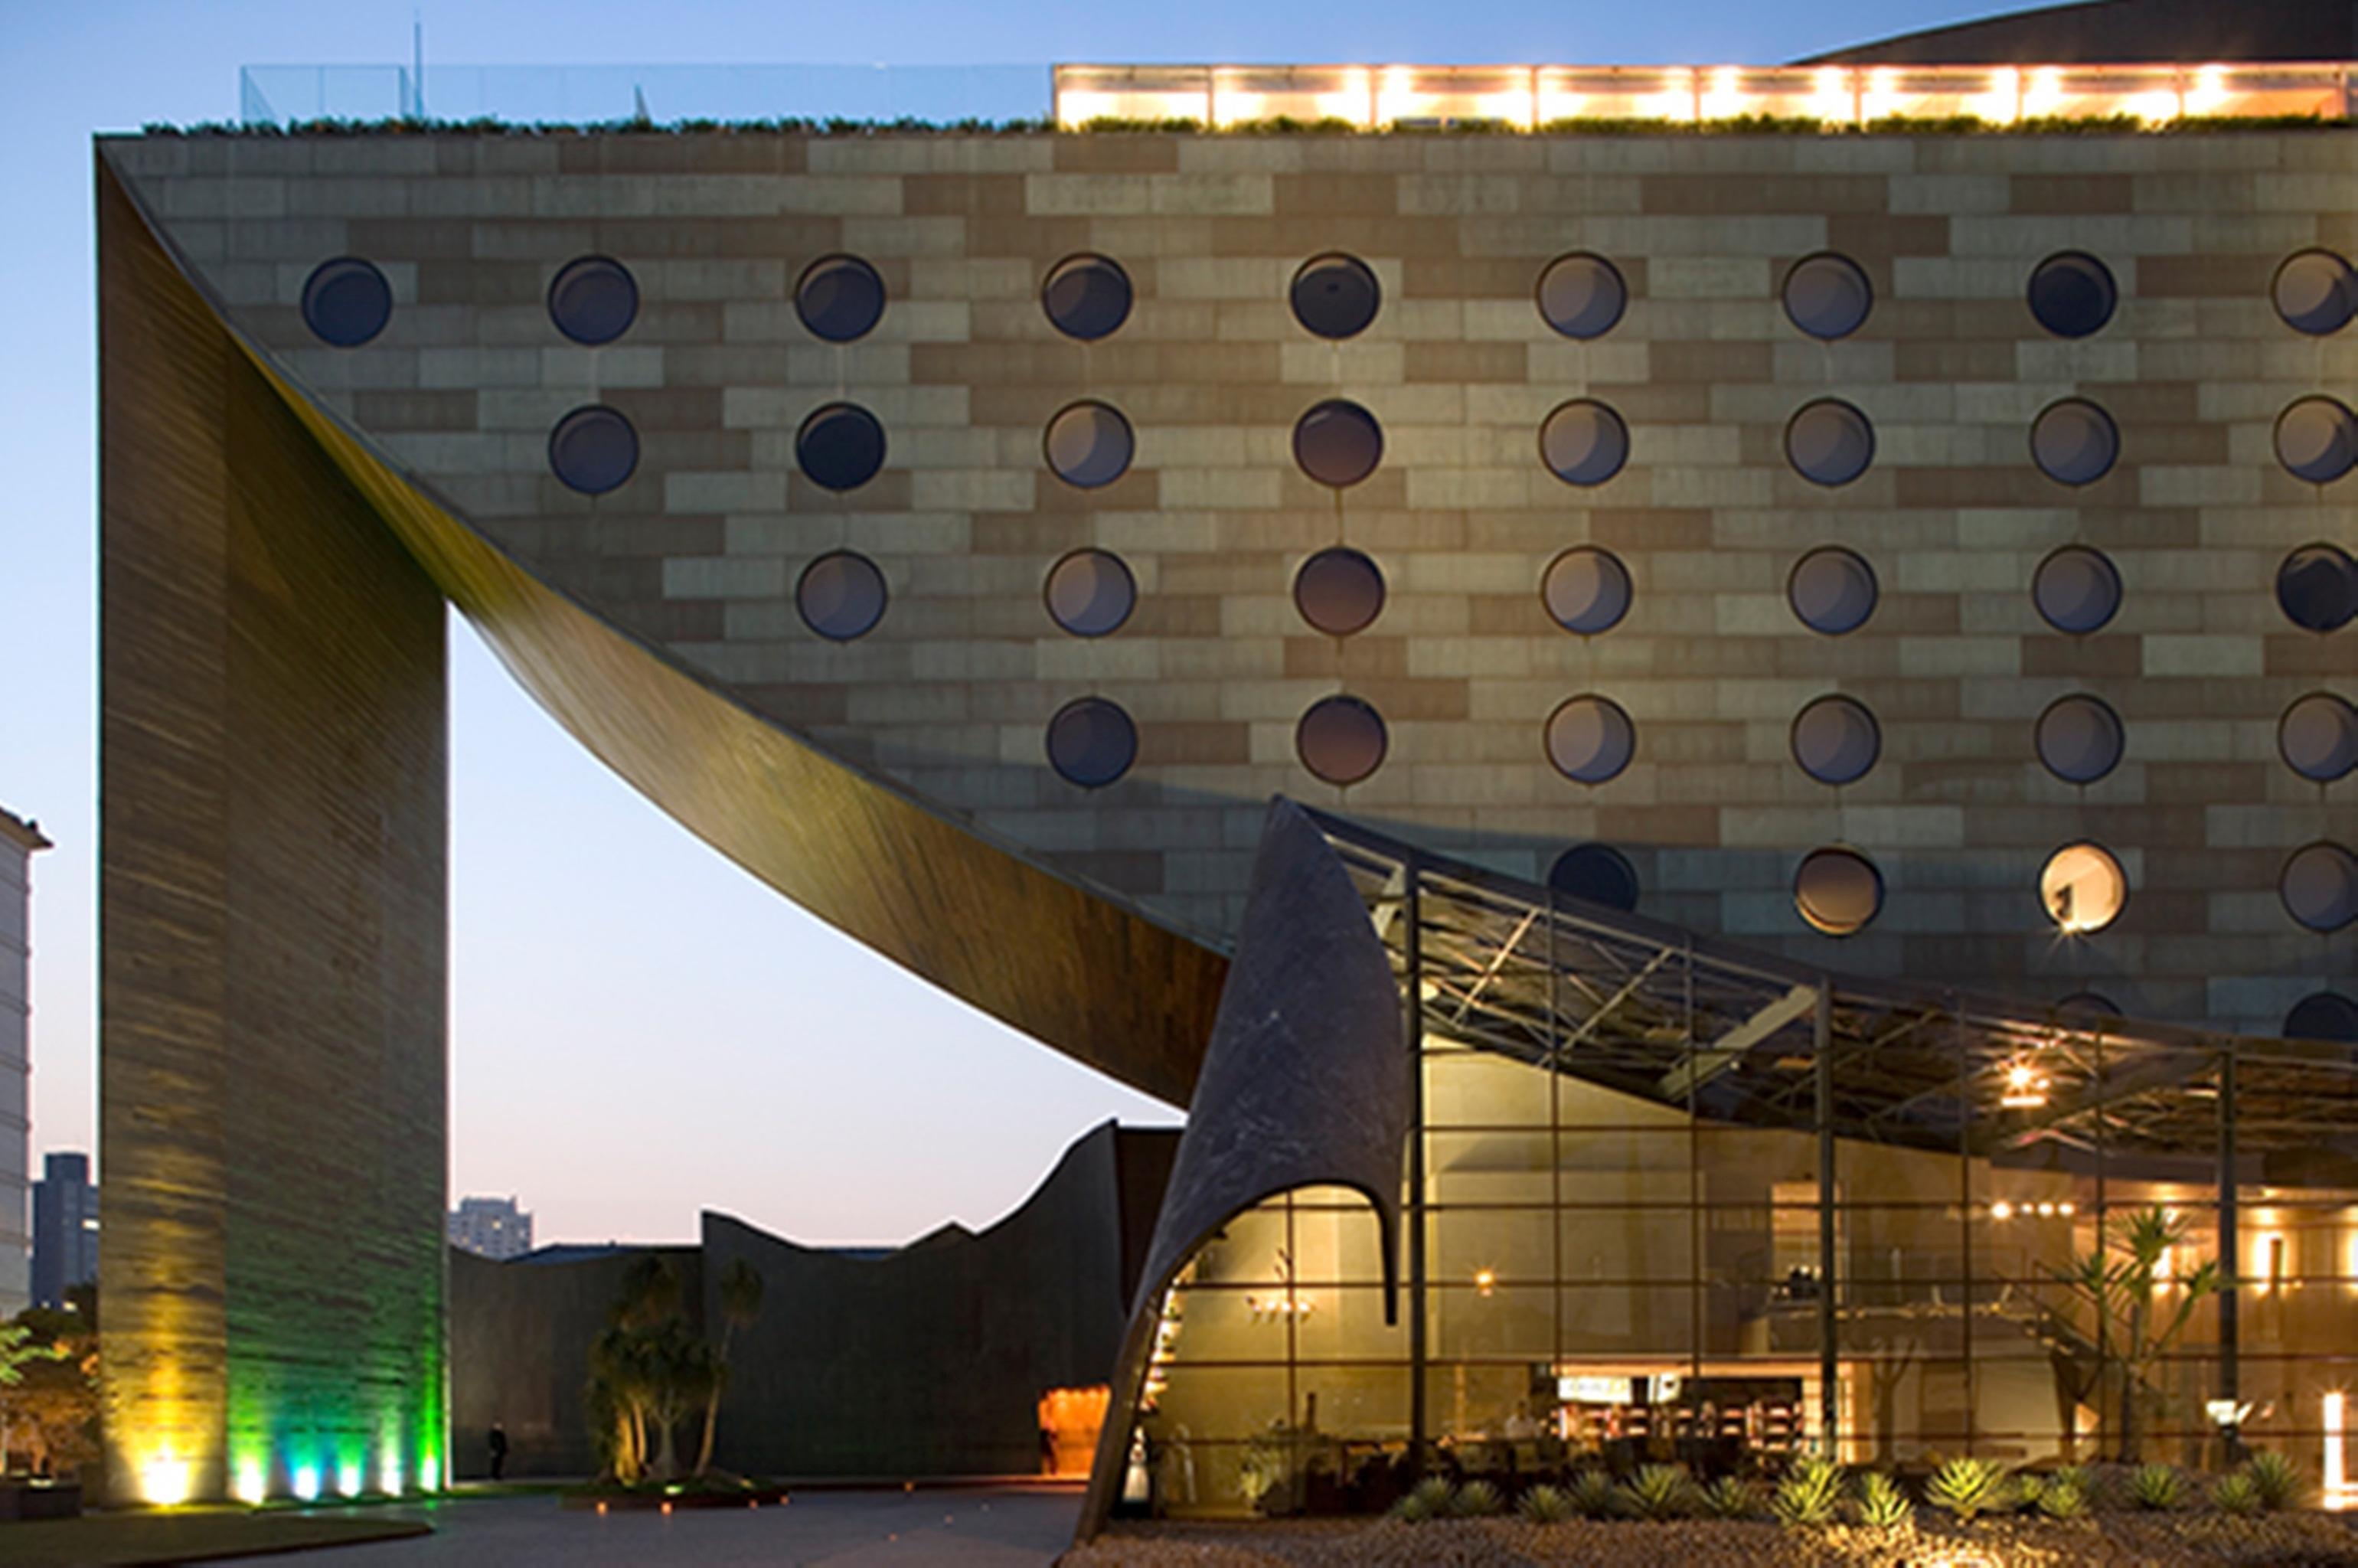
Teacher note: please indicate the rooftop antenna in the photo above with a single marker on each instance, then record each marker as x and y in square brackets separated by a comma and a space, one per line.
[416, 65]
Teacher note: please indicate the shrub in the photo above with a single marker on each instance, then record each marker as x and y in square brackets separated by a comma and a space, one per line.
[1659, 1492]
[1547, 1504]
[1883, 1503]
[1969, 1487]
[1411, 1509]
[2277, 1481]
[1733, 1497]
[2157, 1489]
[1595, 1495]
[1437, 1493]
[2063, 1498]
[1811, 1494]
[2235, 1493]
[1478, 1499]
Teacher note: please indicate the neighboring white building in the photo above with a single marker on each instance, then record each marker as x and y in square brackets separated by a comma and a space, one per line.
[20, 841]
[491, 1228]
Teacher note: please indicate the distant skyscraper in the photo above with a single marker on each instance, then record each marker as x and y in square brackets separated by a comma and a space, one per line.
[491, 1228]
[20, 841]
[65, 1229]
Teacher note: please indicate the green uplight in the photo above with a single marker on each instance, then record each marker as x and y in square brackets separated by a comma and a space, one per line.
[306, 1482]
[347, 1480]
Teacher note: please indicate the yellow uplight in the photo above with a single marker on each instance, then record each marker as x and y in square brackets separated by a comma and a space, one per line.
[1397, 98]
[1350, 101]
[2209, 93]
[2153, 108]
[1882, 96]
[2002, 105]
[167, 1482]
[2045, 93]
[1831, 98]
[1675, 102]
[1723, 99]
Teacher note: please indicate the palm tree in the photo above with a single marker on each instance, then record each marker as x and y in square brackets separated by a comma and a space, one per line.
[2123, 1281]
[742, 1288]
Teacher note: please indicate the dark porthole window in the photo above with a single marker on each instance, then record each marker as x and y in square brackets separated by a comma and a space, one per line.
[1581, 294]
[1583, 442]
[1086, 296]
[1599, 873]
[1586, 590]
[2317, 439]
[1833, 590]
[1335, 296]
[2082, 888]
[1089, 444]
[1091, 742]
[594, 450]
[593, 301]
[2080, 739]
[1837, 740]
[2316, 292]
[839, 298]
[840, 595]
[1342, 739]
[2073, 294]
[1829, 442]
[1091, 592]
[2318, 737]
[346, 302]
[2075, 442]
[1338, 443]
[2077, 590]
[1339, 591]
[840, 446]
[1590, 739]
[1837, 891]
[1828, 296]
[2090, 1002]
[2320, 886]
[2316, 588]
[2323, 1015]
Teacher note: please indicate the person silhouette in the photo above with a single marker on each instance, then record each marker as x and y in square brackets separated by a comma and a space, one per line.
[498, 1443]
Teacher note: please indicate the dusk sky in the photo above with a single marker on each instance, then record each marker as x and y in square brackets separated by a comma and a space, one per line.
[638, 1028]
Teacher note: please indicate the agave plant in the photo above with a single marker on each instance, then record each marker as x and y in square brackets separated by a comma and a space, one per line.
[1478, 1499]
[1659, 1492]
[1595, 1495]
[1547, 1504]
[1882, 1503]
[1435, 1492]
[1970, 1487]
[2157, 1489]
[2278, 1481]
[2236, 1493]
[2063, 1498]
[1811, 1494]
[1411, 1509]
[1733, 1497]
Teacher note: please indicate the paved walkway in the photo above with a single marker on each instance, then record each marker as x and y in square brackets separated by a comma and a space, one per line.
[855, 1529]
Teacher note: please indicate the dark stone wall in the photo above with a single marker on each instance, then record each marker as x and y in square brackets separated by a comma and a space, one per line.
[2191, 32]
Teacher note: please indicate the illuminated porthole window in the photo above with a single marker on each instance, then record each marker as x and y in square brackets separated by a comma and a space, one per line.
[1086, 296]
[840, 595]
[839, 298]
[594, 450]
[1833, 590]
[2078, 738]
[1837, 891]
[1583, 442]
[840, 447]
[1599, 873]
[2075, 442]
[1829, 442]
[346, 302]
[1335, 296]
[2316, 588]
[1586, 590]
[2317, 439]
[2316, 292]
[1827, 295]
[1581, 294]
[2320, 886]
[1339, 591]
[2318, 737]
[1091, 742]
[2323, 1015]
[2090, 1002]
[1338, 443]
[2077, 590]
[1836, 740]
[2082, 888]
[593, 301]
[2073, 294]
[1089, 444]
[1091, 592]
[1590, 739]
[1341, 739]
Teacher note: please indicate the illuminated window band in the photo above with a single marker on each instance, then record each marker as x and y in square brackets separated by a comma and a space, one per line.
[1528, 97]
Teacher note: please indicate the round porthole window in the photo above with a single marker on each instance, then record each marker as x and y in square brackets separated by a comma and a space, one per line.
[2316, 588]
[1828, 296]
[2073, 294]
[1590, 739]
[2078, 738]
[2077, 590]
[1582, 295]
[2317, 439]
[594, 450]
[1342, 739]
[1598, 873]
[1829, 442]
[2318, 737]
[1091, 742]
[1833, 590]
[840, 595]
[840, 447]
[1586, 590]
[1335, 296]
[1583, 442]
[1837, 891]
[2315, 292]
[2075, 442]
[2320, 886]
[1089, 445]
[1836, 740]
[1086, 296]
[1339, 591]
[2082, 888]
[2323, 1015]
[839, 298]
[346, 302]
[1338, 443]
[593, 301]
[1091, 592]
